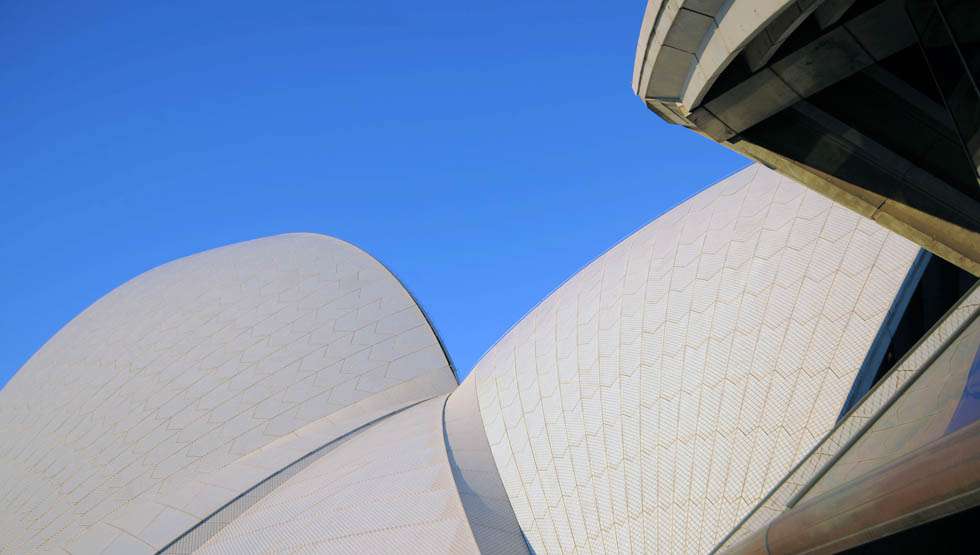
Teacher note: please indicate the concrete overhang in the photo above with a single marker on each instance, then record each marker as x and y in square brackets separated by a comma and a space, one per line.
[733, 71]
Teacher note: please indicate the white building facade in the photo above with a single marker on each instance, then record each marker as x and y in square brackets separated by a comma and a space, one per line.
[288, 394]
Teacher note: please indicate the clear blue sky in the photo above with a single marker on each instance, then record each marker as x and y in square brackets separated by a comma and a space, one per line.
[485, 151]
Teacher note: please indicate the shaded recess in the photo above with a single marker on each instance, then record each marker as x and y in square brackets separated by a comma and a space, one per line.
[931, 288]
[896, 449]
[874, 103]
[951, 534]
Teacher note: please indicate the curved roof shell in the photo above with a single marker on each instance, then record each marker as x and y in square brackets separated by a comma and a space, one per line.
[194, 381]
[421, 480]
[386, 489]
[488, 509]
[288, 393]
[654, 398]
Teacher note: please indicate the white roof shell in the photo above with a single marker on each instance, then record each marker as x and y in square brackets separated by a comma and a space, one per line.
[652, 400]
[387, 489]
[192, 382]
[288, 394]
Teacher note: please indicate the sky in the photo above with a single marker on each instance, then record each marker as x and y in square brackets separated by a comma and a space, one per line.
[483, 151]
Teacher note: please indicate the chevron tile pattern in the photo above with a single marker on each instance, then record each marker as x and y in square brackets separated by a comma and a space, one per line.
[919, 416]
[650, 402]
[854, 424]
[388, 489]
[288, 395]
[190, 383]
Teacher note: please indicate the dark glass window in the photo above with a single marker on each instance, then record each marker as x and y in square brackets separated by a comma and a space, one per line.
[948, 35]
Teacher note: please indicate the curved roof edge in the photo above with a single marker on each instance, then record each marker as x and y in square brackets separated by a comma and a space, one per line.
[753, 290]
[386, 489]
[237, 361]
[488, 510]
[750, 166]
[684, 46]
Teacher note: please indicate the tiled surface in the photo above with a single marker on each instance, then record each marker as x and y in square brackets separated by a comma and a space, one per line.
[651, 401]
[876, 400]
[647, 405]
[921, 415]
[194, 381]
[208, 527]
[388, 489]
[484, 499]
